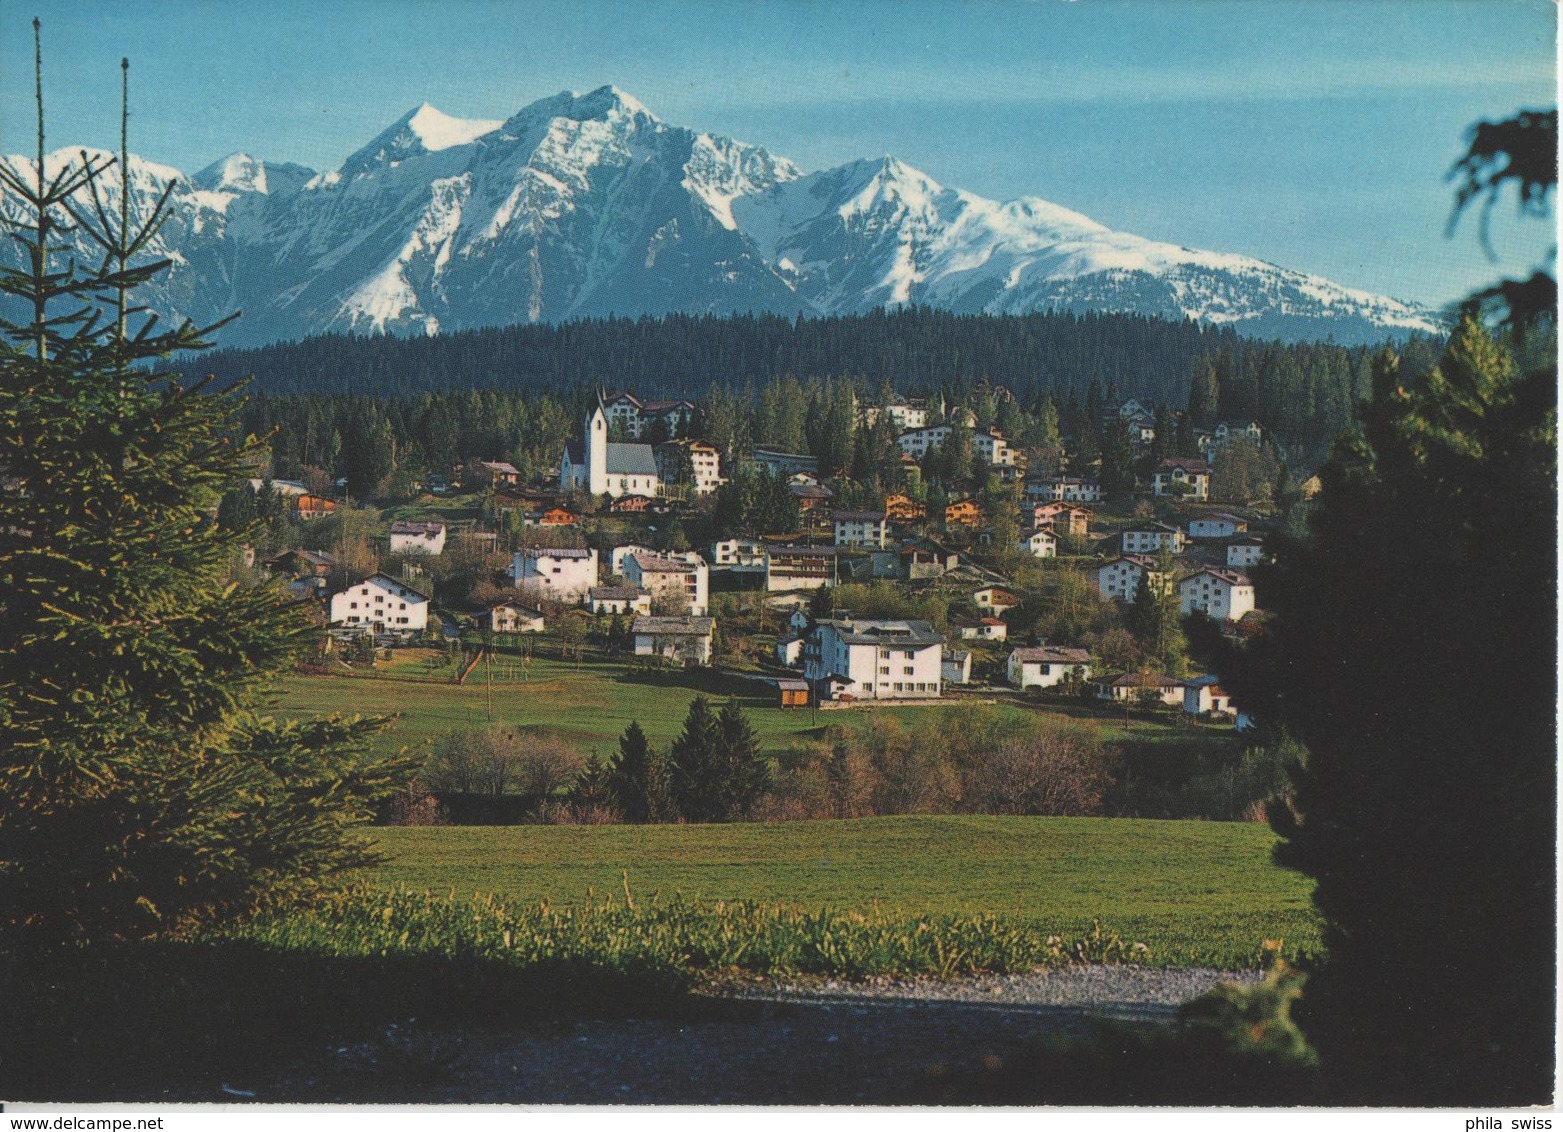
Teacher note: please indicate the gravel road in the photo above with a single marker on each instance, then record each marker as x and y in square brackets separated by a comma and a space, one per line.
[826, 1043]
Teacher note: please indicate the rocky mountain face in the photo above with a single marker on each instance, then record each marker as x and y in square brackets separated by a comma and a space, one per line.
[588, 205]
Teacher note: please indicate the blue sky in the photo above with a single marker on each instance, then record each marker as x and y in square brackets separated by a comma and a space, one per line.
[1313, 133]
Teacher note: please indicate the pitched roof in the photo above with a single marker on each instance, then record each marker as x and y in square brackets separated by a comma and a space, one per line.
[409, 527]
[859, 516]
[553, 552]
[1230, 577]
[1051, 654]
[615, 593]
[656, 564]
[393, 581]
[631, 460]
[672, 626]
[898, 634]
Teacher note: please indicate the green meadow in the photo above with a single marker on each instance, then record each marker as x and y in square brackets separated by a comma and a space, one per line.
[1196, 893]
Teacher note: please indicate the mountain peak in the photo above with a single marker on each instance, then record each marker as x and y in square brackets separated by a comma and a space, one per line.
[438, 130]
[606, 101]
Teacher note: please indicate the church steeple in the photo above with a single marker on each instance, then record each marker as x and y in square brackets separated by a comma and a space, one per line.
[595, 440]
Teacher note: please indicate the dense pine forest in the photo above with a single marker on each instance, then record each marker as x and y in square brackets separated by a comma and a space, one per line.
[1304, 392]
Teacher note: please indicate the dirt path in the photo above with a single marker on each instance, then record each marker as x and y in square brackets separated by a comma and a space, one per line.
[825, 1044]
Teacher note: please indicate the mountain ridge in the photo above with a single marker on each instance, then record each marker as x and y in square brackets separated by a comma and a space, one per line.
[588, 205]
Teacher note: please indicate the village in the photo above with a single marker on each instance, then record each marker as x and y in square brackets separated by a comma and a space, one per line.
[1001, 580]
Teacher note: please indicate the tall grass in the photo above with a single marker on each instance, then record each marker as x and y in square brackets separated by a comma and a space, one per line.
[669, 942]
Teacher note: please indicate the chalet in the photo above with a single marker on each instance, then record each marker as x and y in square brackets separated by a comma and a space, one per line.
[1245, 552]
[674, 583]
[1182, 477]
[554, 517]
[1046, 665]
[417, 538]
[799, 567]
[1202, 695]
[1216, 525]
[1150, 538]
[509, 617]
[873, 660]
[1139, 687]
[956, 666]
[555, 573]
[902, 509]
[501, 472]
[618, 600]
[995, 598]
[1041, 543]
[300, 564]
[1119, 578]
[631, 505]
[963, 512]
[861, 529]
[1132, 408]
[382, 605]
[686, 639]
[1225, 595]
[309, 506]
[811, 496]
[1064, 518]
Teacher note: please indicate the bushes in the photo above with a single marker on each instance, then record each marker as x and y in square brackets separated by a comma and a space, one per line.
[965, 762]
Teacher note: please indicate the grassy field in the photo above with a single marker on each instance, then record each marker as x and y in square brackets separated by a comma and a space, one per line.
[1197, 893]
[593, 702]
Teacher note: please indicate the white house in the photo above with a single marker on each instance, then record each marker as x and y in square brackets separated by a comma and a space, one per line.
[1245, 552]
[1042, 543]
[779, 463]
[861, 528]
[994, 598]
[509, 617]
[1138, 687]
[906, 414]
[417, 538]
[956, 666]
[874, 660]
[1148, 538]
[1046, 665]
[1119, 579]
[618, 554]
[1225, 595]
[673, 583]
[686, 639]
[1065, 489]
[691, 462]
[1231, 430]
[789, 651]
[983, 629]
[1183, 477]
[381, 605]
[554, 573]
[989, 446]
[1217, 525]
[594, 465]
[740, 555]
[619, 600]
[916, 442]
[636, 416]
[1203, 695]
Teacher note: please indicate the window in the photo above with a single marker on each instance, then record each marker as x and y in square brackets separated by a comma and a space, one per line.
[909, 671]
[910, 655]
[352, 605]
[884, 670]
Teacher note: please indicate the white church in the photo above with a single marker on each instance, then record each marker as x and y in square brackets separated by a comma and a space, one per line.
[595, 465]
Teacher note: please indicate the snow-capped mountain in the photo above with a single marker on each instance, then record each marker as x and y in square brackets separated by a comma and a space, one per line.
[583, 205]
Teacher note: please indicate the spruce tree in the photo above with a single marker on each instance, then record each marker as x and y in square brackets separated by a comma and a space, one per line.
[634, 781]
[695, 772]
[139, 789]
[744, 775]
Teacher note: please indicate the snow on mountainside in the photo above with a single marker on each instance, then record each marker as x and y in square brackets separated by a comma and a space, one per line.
[586, 205]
